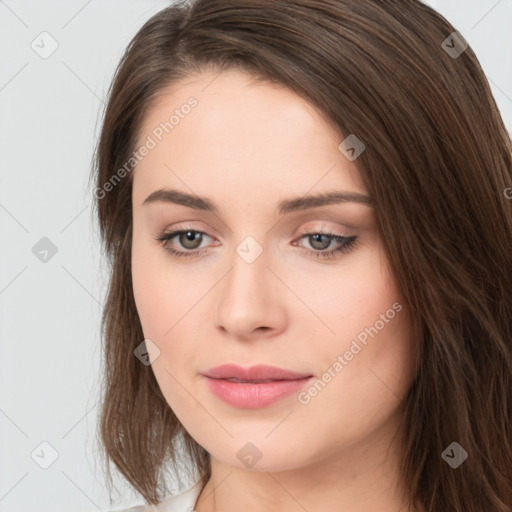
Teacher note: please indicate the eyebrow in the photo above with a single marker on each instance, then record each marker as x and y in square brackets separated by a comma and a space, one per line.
[286, 206]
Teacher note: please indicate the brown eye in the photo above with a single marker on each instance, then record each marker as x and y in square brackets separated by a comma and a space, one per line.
[320, 241]
[317, 243]
[187, 242]
[188, 239]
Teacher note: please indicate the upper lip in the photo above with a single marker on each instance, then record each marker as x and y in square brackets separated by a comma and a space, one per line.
[253, 373]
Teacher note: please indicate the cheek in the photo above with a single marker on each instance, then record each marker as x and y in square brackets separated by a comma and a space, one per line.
[151, 289]
[163, 293]
[161, 304]
[369, 318]
[353, 299]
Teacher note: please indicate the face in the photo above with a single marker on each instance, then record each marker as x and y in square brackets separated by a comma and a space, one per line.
[307, 289]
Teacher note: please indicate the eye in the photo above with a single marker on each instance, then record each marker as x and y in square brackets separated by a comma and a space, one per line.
[322, 240]
[190, 240]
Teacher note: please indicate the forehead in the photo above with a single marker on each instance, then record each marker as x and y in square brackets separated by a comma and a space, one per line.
[240, 131]
[237, 98]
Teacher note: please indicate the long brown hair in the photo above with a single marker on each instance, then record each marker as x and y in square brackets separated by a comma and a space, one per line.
[437, 164]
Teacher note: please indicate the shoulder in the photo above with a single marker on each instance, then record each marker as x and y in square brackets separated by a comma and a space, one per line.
[183, 502]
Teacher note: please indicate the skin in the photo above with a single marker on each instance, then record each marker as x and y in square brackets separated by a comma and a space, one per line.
[247, 146]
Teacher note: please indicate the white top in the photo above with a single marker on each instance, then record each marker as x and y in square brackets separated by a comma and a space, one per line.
[184, 502]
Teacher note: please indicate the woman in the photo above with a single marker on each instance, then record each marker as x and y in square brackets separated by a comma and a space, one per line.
[304, 206]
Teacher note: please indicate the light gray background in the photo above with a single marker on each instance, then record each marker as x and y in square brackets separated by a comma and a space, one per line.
[50, 311]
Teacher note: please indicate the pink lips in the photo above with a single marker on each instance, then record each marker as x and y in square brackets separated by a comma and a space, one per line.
[253, 387]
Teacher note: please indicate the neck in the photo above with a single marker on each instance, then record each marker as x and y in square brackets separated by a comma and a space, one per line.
[363, 477]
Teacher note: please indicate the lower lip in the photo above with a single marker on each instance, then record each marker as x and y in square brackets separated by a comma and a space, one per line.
[248, 395]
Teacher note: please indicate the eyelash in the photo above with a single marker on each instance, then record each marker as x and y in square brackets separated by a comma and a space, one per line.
[349, 243]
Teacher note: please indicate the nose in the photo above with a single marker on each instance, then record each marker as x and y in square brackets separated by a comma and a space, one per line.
[249, 300]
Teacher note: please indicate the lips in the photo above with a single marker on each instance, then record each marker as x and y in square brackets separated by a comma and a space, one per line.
[254, 374]
[255, 387]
